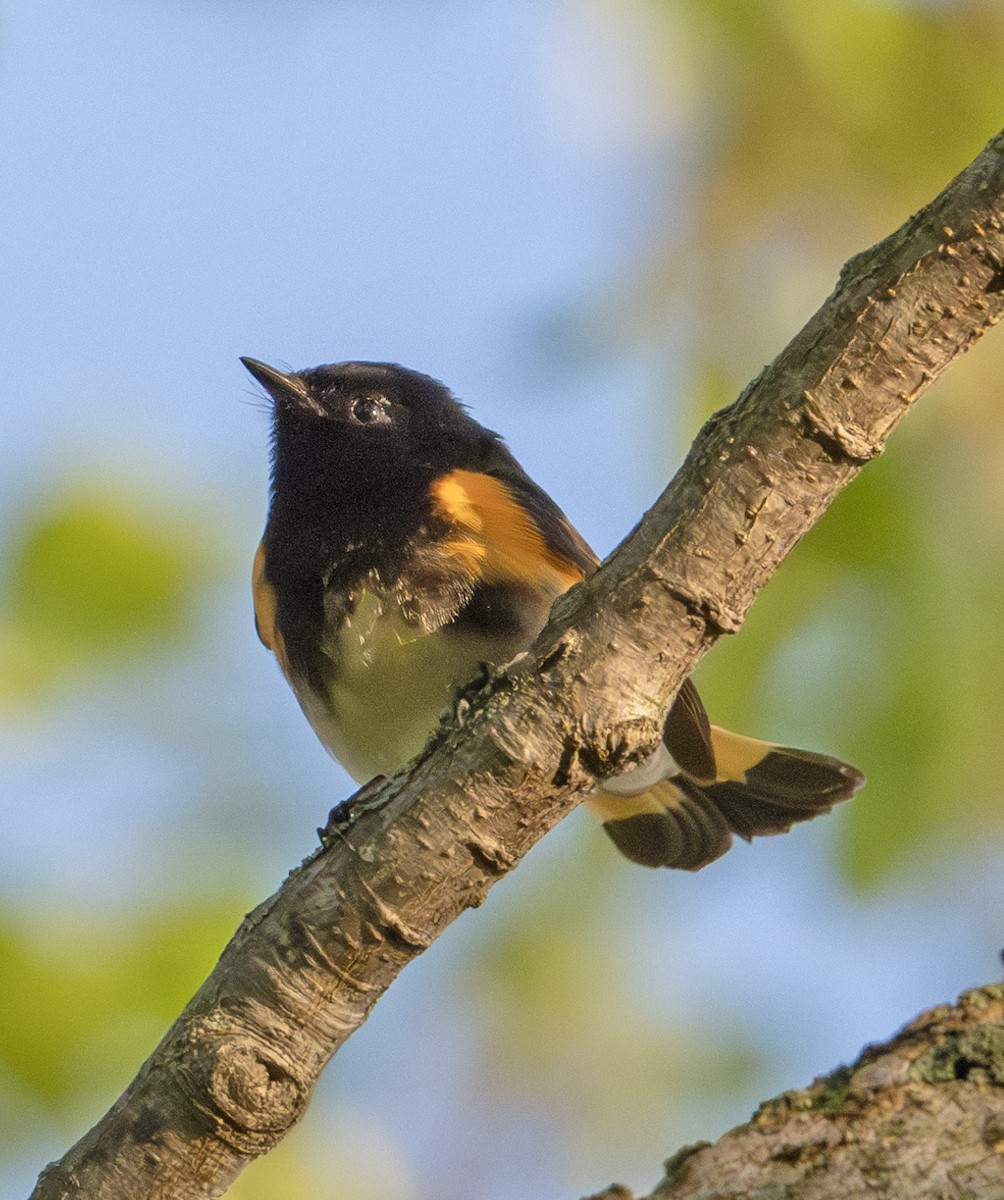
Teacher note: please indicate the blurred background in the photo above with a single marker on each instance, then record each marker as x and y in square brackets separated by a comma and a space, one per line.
[595, 221]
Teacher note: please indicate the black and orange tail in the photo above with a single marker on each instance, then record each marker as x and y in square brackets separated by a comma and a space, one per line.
[717, 784]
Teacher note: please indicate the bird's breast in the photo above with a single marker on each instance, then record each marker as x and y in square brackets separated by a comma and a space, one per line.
[388, 678]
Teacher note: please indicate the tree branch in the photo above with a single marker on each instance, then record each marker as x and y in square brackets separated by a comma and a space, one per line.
[237, 1068]
[919, 1116]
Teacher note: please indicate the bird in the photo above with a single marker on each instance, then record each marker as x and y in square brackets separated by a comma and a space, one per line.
[406, 549]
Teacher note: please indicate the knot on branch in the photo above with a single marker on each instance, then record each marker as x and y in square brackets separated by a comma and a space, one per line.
[711, 610]
[592, 753]
[975, 1054]
[257, 1098]
[841, 438]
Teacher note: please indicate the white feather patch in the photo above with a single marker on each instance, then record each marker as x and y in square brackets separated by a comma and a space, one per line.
[662, 765]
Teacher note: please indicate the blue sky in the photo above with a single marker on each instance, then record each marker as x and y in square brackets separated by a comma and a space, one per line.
[432, 184]
[304, 184]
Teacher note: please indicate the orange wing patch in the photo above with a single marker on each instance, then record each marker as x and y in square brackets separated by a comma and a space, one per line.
[502, 541]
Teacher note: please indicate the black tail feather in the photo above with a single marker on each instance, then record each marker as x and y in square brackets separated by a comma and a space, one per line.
[691, 824]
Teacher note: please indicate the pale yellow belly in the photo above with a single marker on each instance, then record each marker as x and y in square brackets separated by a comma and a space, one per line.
[391, 683]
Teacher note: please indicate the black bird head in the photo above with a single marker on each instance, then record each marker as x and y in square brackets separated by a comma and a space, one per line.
[365, 426]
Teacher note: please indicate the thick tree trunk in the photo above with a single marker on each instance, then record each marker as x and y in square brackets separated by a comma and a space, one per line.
[407, 856]
[920, 1117]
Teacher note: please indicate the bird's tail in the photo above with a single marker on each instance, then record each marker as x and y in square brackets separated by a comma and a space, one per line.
[687, 820]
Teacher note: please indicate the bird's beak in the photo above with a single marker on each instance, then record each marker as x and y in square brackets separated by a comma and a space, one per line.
[284, 389]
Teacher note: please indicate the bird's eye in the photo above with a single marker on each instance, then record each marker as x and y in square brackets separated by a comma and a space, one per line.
[370, 409]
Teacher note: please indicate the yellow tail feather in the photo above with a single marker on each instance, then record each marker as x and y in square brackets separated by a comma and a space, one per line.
[758, 789]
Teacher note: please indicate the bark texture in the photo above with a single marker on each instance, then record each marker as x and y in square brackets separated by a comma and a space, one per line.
[920, 1117]
[406, 856]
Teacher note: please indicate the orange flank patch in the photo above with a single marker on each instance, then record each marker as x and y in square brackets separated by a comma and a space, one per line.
[501, 541]
[265, 609]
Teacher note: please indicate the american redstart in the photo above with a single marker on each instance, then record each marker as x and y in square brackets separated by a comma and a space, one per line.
[405, 548]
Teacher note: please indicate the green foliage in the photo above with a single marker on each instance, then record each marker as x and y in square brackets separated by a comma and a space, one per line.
[872, 644]
[79, 1015]
[95, 578]
[831, 122]
[573, 1022]
[818, 127]
[850, 85]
